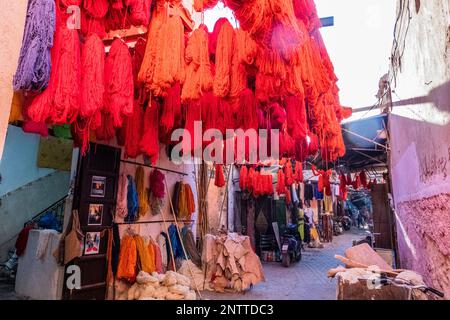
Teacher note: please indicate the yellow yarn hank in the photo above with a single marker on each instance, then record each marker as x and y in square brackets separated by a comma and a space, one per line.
[147, 264]
[141, 191]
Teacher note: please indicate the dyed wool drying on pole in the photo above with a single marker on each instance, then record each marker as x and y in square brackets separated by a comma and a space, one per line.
[92, 76]
[119, 87]
[149, 143]
[60, 102]
[199, 78]
[224, 56]
[169, 58]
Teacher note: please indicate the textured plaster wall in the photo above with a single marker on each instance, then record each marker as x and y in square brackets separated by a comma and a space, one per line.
[19, 162]
[420, 141]
[22, 204]
[12, 21]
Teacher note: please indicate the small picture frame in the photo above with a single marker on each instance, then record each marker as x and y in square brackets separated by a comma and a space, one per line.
[95, 214]
[92, 243]
[98, 187]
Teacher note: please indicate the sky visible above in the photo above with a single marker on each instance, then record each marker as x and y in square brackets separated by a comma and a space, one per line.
[359, 45]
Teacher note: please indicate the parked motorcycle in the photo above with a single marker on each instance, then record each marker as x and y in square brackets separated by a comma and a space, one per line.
[291, 245]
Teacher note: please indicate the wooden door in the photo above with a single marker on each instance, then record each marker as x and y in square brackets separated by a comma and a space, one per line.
[95, 199]
[382, 217]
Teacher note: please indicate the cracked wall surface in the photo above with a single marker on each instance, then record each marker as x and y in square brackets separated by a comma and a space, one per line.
[425, 237]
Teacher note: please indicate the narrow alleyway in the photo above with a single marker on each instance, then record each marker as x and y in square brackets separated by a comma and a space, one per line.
[306, 280]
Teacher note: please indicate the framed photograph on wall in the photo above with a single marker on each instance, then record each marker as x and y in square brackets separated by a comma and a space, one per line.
[98, 187]
[95, 214]
[92, 243]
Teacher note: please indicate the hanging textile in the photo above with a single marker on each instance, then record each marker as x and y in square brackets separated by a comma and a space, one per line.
[309, 191]
[298, 172]
[141, 191]
[139, 11]
[156, 204]
[127, 267]
[171, 112]
[177, 191]
[92, 76]
[149, 143]
[34, 66]
[176, 242]
[119, 89]
[289, 174]
[146, 258]
[169, 58]
[184, 201]
[281, 186]
[133, 127]
[199, 78]
[59, 103]
[224, 56]
[343, 194]
[115, 249]
[190, 246]
[132, 201]
[219, 180]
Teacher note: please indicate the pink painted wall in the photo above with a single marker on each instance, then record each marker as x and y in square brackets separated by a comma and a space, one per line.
[420, 141]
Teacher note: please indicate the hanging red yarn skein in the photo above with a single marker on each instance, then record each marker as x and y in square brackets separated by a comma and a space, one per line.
[281, 186]
[289, 173]
[243, 178]
[157, 184]
[220, 178]
[298, 173]
[60, 102]
[149, 143]
[133, 131]
[224, 56]
[119, 87]
[92, 76]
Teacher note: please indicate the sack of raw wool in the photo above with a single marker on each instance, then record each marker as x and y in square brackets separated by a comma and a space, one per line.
[147, 291]
[145, 278]
[183, 280]
[147, 298]
[132, 291]
[170, 279]
[190, 295]
[197, 276]
[174, 296]
[158, 276]
[161, 293]
[121, 290]
[179, 289]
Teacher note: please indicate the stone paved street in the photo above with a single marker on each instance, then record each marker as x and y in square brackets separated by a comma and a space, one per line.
[7, 291]
[306, 280]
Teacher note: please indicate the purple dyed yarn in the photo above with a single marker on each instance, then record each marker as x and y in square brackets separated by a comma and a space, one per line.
[33, 71]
